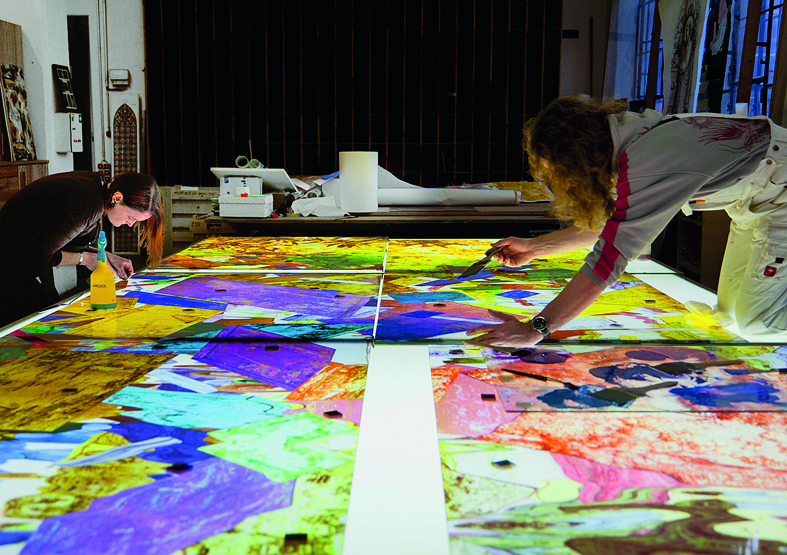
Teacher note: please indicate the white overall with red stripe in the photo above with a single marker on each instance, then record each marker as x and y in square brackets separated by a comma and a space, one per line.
[705, 162]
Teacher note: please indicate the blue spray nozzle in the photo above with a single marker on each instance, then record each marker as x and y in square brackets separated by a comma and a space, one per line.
[102, 245]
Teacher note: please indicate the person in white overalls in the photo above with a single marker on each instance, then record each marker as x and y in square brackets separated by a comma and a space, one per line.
[620, 177]
[753, 279]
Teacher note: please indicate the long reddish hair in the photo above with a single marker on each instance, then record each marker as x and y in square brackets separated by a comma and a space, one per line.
[569, 148]
[140, 192]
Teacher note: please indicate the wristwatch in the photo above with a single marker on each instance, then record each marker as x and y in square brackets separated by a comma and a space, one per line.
[539, 323]
[81, 255]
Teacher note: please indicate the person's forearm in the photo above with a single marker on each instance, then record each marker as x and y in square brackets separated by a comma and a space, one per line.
[88, 259]
[575, 297]
[69, 258]
[563, 240]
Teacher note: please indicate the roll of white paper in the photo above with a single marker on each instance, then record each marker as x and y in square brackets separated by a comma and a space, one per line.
[741, 108]
[358, 174]
[446, 197]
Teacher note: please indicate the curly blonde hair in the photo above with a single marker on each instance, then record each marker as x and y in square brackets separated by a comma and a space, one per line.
[569, 148]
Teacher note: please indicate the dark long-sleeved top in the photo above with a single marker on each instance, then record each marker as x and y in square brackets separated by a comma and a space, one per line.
[57, 211]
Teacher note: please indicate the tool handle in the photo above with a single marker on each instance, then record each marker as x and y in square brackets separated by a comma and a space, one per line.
[529, 375]
[716, 363]
[541, 378]
[646, 388]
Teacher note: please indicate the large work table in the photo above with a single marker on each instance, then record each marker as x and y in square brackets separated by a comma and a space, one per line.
[318, 395]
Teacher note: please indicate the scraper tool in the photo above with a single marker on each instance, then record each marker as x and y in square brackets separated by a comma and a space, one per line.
[622, 395]
[481, 264]
[678, 368]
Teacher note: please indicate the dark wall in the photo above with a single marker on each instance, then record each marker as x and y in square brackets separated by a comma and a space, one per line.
[441, 89]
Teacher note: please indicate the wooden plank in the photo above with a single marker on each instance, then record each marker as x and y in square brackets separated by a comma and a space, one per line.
[779, 92]
[11, 44]
[653, 62]
[10, 53]
[37, 170]
[203, 193]
[8, 187]
[749, 51]
[15, 175]
[179, 206]
[182, 237]
[191, 207]
[181, 222]
[166, 209]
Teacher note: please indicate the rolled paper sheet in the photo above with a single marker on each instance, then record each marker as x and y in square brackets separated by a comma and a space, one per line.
[242, 162]
[254, 164]
[741, 108]
[358, 174]
[447, 197]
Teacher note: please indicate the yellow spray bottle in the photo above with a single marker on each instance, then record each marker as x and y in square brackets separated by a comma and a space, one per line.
[102, 280]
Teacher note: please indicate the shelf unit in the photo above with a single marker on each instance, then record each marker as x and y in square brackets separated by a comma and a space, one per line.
[701, 240]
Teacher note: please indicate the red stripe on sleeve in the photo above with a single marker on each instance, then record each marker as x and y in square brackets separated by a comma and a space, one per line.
[606, 263]
[609, 254]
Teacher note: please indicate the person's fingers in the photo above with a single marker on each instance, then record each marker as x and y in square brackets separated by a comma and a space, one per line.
[503, 242]
[502, 316]
[122, 268]
[504, 256]
[509, 261]
[481, 329]
[492, 331]
[486, 339]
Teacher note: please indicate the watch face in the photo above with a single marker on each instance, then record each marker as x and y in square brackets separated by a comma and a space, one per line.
[539, 323]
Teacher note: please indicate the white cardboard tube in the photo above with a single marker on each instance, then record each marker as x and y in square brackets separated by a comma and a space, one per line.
[358, 175]
[448, 197]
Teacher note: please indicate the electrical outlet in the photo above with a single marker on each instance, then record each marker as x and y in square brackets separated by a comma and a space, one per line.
[105, 169]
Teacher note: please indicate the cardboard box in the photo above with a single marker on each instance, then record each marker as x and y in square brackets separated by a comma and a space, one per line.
[256, 206]
[254, 184]
[230, 185]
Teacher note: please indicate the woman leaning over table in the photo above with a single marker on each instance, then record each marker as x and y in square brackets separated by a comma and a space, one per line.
[620, 177]
[52, 221]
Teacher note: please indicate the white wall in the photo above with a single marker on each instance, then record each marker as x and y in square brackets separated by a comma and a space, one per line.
[575, 55]
[117, 41]
[45, 42]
